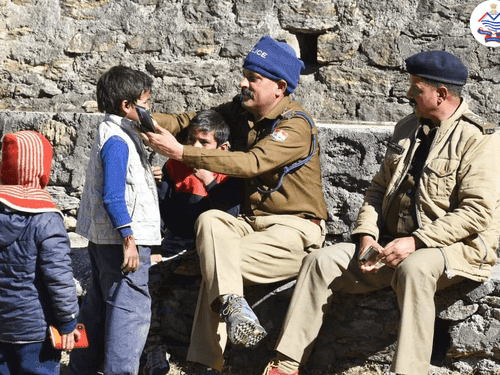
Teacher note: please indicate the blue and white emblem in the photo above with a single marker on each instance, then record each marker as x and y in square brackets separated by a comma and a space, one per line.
[485, 23]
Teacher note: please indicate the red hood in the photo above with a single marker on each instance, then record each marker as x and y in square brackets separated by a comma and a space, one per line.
[25, 171]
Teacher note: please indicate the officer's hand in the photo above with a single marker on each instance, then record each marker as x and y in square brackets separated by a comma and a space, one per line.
[396, 251]
[364, 243]
[164, 142]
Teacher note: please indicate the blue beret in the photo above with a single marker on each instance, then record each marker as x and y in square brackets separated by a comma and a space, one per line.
[275, 60]
[438, 66]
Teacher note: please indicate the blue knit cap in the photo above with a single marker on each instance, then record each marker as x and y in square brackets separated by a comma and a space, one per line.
[438, 66]
[275, 60]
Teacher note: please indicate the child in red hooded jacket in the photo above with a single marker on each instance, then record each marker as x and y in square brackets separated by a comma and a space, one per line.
[36, 279]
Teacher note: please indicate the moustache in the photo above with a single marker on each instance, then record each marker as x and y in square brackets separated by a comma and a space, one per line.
[246, 93]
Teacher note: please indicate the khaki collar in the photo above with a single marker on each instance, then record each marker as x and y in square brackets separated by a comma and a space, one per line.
[447, 124]
[277, 109]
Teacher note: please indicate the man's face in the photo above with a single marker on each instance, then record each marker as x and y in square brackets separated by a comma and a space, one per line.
[198, 138]
[260, 94]
[423, 97]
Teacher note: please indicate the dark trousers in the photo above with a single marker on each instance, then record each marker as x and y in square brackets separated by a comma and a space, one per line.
[116, 312]
[31, 358]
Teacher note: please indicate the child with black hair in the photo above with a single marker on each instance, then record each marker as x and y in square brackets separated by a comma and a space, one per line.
[185, 192]
[120, 217]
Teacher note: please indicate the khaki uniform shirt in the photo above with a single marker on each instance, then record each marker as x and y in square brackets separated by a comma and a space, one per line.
[401, 218]
[258, 156]
[457, 202]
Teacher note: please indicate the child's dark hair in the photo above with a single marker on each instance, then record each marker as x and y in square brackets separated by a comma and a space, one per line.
[118, 84]
[211, 121]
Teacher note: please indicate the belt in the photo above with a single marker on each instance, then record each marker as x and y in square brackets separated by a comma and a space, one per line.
[316, 221]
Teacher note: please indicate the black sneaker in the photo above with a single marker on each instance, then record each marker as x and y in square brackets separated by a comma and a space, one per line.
[243, 327]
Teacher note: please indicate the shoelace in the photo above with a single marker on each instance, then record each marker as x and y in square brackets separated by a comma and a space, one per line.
[232, 305]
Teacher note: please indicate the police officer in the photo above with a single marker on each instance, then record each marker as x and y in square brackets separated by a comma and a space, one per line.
[432, 214]
[282, 215]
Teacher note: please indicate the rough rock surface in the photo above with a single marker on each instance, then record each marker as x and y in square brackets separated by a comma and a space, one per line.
[54, 51]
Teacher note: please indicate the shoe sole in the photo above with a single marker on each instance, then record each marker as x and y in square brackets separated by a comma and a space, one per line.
[248, 334]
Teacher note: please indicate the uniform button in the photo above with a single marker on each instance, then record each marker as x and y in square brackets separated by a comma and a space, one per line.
[401, 214]
[409, 191]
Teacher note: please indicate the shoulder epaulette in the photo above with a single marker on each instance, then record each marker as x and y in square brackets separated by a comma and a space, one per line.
[485, 126]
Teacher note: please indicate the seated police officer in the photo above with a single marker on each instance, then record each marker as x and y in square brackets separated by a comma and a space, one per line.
[432, 212]
[283, 214]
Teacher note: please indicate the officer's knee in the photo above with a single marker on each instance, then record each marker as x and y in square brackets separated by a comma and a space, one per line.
[322, 262]
[415, 269]
[206, 218]
[412, 268]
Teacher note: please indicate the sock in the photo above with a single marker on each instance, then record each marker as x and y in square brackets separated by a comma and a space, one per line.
[286, 364]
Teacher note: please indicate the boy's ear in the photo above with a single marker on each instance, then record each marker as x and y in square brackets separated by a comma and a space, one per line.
[225, 146]
[126, 107]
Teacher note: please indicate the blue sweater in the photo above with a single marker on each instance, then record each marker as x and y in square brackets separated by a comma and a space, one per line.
[114, 155]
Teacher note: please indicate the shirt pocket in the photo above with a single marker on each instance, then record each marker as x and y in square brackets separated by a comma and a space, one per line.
[440, 177]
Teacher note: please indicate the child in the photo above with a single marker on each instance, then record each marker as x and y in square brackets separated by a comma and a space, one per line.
[36, 280]
[120, 217]
[184, 192]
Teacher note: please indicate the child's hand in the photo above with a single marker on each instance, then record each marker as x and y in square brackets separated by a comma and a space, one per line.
[130, 255]
[157, 173]
[68, 341]
[204, 176]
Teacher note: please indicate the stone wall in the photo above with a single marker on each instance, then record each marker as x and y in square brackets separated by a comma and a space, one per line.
[54, 51]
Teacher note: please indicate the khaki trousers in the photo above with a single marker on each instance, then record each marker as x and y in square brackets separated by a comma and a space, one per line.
[335, 269]
[241, 251]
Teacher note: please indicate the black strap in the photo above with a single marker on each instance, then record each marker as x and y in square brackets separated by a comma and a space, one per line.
[287, 114]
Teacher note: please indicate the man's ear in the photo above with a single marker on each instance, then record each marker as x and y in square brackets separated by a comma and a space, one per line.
[443, 94]
[282, 85]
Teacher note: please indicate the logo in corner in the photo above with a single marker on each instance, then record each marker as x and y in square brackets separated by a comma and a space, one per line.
[485, 23]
